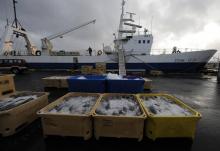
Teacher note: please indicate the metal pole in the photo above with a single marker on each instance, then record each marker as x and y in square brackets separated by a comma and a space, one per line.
[15, 15]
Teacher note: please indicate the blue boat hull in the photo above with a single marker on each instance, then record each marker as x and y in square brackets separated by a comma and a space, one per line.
[165, 67]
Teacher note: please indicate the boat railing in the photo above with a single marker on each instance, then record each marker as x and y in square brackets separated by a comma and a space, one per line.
[171, 51]
[16, 53]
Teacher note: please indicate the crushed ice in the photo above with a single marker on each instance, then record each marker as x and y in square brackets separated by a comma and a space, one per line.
[119, 106]
[163, 106]
[75, 105]
[81, 77]
[58, 77]
[114, 76]
[12, 101]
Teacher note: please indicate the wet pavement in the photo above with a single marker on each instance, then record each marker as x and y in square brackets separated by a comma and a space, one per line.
[201, 94]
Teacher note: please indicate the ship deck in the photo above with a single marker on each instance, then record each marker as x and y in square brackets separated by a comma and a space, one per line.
[201, 94]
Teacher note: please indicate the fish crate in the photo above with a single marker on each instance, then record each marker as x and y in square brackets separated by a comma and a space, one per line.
[128, 84]
[168, 117]
[56, 81]
[87, 83]
[21, 111]
[6, 84]
[60, 119]
[127, 121]
[147, 84]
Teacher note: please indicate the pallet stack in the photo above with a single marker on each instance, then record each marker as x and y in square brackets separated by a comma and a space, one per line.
[100, 68]
[86, 69]
[56, 82]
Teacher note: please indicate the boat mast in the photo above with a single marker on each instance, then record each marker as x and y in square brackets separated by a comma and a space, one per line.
[15, 23]
[119, 44]
[121, 20]
[15, 15]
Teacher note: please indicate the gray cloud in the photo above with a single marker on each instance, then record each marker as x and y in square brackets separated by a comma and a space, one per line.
[170, 17]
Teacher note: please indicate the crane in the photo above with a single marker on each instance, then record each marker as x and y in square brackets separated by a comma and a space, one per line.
[17, 30]
[46, 42]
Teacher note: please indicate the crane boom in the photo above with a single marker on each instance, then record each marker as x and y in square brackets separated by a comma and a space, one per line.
[47, 45]
[69, 30]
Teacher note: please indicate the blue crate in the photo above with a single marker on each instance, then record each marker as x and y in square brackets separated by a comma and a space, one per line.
[92, 83]
[130, 85]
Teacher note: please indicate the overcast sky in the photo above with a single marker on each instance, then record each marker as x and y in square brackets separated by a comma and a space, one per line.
[181, 23]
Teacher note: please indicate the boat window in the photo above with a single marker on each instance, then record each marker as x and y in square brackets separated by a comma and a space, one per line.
[10, 61]
[1, 61]
[139, 41]
[19, 61]
[5, 61]
[143, 41]
[148, 41]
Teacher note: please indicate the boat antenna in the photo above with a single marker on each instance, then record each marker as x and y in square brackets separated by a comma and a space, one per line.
[139, 25]
[151, 24]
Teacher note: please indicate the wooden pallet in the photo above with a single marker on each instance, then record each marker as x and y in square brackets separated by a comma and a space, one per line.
[56, 82]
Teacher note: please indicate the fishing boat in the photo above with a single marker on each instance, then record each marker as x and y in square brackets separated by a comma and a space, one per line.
[132, 51]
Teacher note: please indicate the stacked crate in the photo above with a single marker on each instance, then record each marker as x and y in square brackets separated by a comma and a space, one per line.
[56, 81]
[86, 69]
[100, 68]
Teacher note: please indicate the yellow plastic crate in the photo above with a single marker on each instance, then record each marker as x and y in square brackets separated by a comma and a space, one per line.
[170, 126]
[15, 119]
[6, 84]
[118, 126]
[67, 124]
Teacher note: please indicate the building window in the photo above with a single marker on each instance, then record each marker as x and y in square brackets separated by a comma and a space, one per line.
[148, 41]
[143, 41]
[139, 41]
